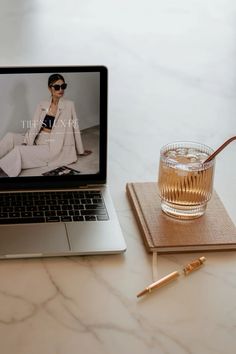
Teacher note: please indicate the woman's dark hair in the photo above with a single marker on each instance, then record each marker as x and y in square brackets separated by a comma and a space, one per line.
[53, 78]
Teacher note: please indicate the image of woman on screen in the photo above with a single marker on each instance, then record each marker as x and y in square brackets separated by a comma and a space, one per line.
[53, 139]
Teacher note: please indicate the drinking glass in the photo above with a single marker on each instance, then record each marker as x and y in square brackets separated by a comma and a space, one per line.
[185, 182]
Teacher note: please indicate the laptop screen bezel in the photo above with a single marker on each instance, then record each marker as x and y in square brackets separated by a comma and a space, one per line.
[69, 181]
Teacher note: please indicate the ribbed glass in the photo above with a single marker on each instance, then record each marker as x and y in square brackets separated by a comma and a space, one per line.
[185, 181]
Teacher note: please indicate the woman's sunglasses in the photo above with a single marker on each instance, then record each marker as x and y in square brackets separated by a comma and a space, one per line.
[58, 87]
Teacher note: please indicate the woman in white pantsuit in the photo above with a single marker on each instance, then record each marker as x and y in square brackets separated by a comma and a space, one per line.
[53, 139]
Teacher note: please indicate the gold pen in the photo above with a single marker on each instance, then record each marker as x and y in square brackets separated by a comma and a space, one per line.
[161, 282]
[194, 265]
[190, 267]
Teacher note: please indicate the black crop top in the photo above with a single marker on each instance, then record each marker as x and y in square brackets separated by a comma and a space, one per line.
[48, 122]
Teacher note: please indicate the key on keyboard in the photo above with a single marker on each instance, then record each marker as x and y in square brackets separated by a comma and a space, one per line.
[40, 207]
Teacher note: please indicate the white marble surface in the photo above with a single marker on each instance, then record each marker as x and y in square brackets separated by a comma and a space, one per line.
[172, 76]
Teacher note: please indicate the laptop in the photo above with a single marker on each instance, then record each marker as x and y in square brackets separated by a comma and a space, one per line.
[54, 200]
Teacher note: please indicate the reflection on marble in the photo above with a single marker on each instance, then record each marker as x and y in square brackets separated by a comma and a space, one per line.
[172, 76]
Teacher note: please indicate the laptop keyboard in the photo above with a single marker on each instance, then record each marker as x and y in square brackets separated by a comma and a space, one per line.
[41, 207]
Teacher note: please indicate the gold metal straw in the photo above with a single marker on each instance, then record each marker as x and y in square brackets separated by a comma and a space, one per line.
[212, 156]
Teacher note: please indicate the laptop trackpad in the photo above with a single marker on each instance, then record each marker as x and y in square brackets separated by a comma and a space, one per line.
[30, 240]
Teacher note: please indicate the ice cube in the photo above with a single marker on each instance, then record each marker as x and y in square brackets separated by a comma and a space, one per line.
[192, 151]
[202, 156]
[181, 151]
[192, 157]
[171, 153]
[170, 161]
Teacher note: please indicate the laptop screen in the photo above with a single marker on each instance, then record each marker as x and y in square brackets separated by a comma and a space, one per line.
[53, 129]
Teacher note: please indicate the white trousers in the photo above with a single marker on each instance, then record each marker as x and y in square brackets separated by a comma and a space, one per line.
[15, 157]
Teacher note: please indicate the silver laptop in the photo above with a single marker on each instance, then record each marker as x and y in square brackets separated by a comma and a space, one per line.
[54, 200]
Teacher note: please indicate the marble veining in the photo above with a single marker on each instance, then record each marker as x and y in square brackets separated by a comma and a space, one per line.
[172, 76]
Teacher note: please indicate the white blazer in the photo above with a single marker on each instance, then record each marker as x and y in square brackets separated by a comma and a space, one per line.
[65, 138]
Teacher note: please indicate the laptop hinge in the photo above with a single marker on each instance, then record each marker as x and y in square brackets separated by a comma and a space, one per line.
[91, 186]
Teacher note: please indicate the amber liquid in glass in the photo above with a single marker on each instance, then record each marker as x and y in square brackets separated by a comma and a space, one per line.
[184, 179]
